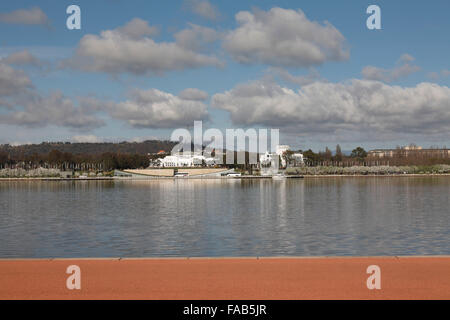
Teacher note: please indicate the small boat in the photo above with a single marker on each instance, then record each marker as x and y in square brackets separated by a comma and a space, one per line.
[279, 176]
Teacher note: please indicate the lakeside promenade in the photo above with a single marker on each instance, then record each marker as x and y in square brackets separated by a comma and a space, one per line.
[227, 278]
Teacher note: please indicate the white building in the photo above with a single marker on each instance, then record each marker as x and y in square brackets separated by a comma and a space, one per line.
[298, 158]
[268, 159]
[272, 159]
[186, 160]
[279, 157]
[282, 149]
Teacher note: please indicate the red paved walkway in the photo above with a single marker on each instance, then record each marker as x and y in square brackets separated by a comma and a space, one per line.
[228, 278]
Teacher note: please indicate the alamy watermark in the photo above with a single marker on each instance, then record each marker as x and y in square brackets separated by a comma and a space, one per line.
[374, 20]
[74, 20]
[237, 141]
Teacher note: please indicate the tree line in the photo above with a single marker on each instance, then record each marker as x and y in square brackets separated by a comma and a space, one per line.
[359, 156]
[145, 147]
[66, 161]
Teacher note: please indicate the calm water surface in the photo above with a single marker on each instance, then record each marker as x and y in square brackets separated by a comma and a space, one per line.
[299, 217]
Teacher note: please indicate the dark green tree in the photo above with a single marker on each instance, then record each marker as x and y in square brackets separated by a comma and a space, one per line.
[359, 153]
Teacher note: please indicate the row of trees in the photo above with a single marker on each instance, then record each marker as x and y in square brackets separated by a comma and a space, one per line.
[357, 156]
[411, 156]
[145, 147]
[67, 161]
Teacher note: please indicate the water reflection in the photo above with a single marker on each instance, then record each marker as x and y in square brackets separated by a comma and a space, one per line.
[323, 216]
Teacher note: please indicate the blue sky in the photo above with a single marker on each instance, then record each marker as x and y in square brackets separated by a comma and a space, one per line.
[383, 87]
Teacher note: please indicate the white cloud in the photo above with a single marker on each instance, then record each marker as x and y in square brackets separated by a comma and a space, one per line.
[157, 109]
[22, 58]
[389, 75]
[26, 107]
[196, 37]
[31, 16]
[129, 49]
[203, 8]
[145, 108]
[357, 107]
[193, 94]
[90, 138]
[13, 81]
[301, 80]
[281, 37]
[142, 139]
[35, 110]
[137, 28]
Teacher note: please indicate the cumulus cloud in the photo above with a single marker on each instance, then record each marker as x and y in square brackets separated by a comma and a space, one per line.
[35, 110]
[26, 107]
[389, 75]
[193, 94]
[152, 108]
[196, 37]
[142, 139]
[203, 8]
[89, 138]
[31, 16]
[13, 81]
[130, 49]
[157, 109]
[137, 28]
[282, 37]
[22, 58]
[312, 76]
[356, 106]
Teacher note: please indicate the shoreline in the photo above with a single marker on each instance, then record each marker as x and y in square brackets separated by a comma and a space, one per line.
[253, 278]
[232, 178]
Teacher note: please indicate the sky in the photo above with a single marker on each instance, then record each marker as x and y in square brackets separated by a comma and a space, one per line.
[138, 70]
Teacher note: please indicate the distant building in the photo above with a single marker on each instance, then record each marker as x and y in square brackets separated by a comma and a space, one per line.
[282, 157]
[298, 158]
[186, 160]
[268, 159]
[282, 149]
[409, 151]
[381, 153]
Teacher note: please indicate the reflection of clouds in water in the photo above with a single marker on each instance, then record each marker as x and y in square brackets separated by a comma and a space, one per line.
[225, 217]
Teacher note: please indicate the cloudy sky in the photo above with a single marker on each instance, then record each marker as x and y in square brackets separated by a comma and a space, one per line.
[140, 69]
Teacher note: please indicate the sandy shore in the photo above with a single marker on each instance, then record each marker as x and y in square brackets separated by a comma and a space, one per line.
[228, 278]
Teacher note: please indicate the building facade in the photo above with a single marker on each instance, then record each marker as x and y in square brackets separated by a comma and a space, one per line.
[186, 160]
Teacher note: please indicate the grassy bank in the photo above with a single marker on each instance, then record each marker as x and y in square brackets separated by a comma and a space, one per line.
[375, 170]
[34, 173]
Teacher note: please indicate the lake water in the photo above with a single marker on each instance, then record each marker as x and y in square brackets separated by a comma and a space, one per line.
[293, 217]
